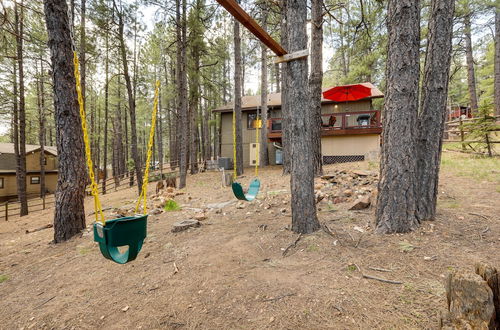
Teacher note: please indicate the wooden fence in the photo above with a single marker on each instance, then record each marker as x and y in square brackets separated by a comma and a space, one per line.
[456, 132]
[13, 207]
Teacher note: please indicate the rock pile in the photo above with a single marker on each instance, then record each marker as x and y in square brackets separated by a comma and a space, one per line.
[341, 186]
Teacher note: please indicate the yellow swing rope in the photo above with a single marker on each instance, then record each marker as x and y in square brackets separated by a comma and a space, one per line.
[95, 190]
[145, 180]
[258, 125]
[234, 146]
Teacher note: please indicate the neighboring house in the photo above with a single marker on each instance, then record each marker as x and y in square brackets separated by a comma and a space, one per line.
[8, 180]
[350, 131]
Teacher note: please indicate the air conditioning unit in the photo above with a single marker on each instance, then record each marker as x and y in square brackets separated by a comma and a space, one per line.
[254, 150]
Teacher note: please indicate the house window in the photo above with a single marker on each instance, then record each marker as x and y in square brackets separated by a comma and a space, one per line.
[252, 120]
[35, 180]
[1, 183]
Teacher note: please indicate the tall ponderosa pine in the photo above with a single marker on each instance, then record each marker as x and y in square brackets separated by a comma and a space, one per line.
[20, 148]
[285, 109]
[130, 94]
[263, 157]
[433, 106]
[41, 122]
[69, 217]
[496, 86]
[396, 203]
[182, 79]
[471, 72]
[316, 82]
[304, 219]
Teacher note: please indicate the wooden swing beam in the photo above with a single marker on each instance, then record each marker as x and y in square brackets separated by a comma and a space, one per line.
[241, 16]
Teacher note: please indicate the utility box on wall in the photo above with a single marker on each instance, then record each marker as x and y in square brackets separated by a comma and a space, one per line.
[254, 150]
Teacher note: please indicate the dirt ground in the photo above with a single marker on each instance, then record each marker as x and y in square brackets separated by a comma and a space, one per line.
[232, 273]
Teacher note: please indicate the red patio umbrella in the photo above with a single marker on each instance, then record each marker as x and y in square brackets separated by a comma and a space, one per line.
[347, 93]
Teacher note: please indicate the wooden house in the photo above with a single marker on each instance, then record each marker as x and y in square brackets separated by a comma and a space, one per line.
[8, 180]
[350, 131]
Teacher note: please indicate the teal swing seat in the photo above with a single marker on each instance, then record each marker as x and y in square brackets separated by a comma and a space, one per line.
[252, 192]
[127, 231]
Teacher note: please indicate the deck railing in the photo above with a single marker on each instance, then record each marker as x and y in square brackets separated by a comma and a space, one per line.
[338, 121]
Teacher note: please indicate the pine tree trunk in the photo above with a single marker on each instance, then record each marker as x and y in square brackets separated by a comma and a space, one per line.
[82, 55]
[433, 106]
[69, 217]
[206, 132]
[21, 168]
[396, 203]
[263, 157]
[131, 103]
[183, 106]
[285, 111]
[471, 76]
[194, 105]
[304, 219]
[72, 9]
[237, 96]
[41, 128]
[316, 81]
[106, 115]
[15, 119]
[343, 55]
[497, 61]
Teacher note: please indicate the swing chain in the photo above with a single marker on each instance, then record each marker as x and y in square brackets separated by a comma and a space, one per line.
[145, 180]
[95, 190]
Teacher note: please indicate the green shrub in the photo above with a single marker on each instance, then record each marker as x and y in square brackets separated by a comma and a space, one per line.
[171, 205]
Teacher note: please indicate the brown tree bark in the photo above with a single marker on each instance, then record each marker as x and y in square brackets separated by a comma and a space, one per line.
[263, 157]
[433, 106]
[194, 91]
[131, 101]
[82, 55]
[106, 114]
[237, 96]
[315, 82]
[207, 152]
[304, 219]
[69, 217]
[497, 61]
[21, 155]
[285, 111]
[396, 203]
[182, 78]
[41, 128]
[471, 75]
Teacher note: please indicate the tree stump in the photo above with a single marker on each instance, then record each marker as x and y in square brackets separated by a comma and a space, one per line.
[470, 303]
[492, 277]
